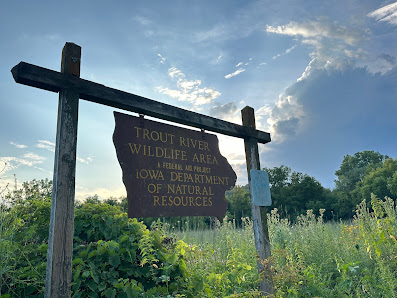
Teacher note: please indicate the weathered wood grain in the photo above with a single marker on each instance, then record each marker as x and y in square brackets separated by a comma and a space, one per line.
[60, 242]
[261, 233]
[50, 80]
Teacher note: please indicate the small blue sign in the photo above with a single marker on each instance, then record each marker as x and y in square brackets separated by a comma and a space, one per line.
[260, 189]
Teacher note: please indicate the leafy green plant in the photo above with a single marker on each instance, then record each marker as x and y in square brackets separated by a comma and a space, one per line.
[117, 255]
[113, 255]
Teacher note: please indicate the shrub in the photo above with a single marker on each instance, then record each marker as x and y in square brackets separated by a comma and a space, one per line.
[112, 254]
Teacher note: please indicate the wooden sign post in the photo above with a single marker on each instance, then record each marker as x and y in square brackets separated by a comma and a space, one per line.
[70, 88]
[60, 240]
[261, 232]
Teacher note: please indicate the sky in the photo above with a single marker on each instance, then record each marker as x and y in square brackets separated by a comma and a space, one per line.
[321, 76]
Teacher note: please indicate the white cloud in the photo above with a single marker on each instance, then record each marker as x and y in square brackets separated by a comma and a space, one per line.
[162, 59]
[233, 149]
[334, 98]
[50, 146]
[189, 91]
[86, 160]
[20, 146]
[228, 112]
[264, 111]
[12, 163]
[44, 170]
[173, 72]
[287, 51]
[319, 29]
[142, 20]
[239, 64]
[382, 63]
[285, 117]
[386, 14]
[233, 74]
[34, 156]
[329, 113]
[103, 193]
[329, 41]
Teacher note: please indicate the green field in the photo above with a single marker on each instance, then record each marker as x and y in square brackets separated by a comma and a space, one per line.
[309, 259]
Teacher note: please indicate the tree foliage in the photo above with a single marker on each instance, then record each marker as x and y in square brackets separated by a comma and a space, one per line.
[380, 181]
[238, 203]
[360, 175]
[293, 193]
[353, 169]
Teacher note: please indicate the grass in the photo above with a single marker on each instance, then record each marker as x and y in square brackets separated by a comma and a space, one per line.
[309, 258]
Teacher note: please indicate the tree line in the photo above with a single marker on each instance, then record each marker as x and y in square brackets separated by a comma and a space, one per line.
[293, 193]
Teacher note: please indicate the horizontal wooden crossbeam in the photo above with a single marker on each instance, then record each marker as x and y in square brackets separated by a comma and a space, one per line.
[43, 78]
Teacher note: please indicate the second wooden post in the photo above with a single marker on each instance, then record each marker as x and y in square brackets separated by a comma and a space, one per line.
[261, 233]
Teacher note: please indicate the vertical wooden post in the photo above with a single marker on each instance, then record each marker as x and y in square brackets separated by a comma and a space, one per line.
[261, 233]
[60, 242]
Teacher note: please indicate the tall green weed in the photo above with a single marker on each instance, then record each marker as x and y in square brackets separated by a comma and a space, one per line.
[310, 258]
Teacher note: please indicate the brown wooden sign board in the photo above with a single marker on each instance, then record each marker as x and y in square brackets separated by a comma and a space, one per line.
[169, 170]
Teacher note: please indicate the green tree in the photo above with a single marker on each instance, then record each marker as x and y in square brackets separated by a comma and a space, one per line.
[392, 185]
[351, 175]
[32, 205]
[353, 169]
[305, 192]
[381, 181]
[238, 202]
[278, 176]
[295, 192]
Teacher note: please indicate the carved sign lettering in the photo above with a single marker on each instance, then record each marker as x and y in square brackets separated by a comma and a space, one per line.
[169, 170]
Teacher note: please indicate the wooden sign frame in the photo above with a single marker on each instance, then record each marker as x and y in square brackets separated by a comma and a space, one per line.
[71, 88]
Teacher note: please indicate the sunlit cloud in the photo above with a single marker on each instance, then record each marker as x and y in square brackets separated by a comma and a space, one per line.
[34, 156]
[50, 146]
[173, 72]
[228, 112]
[233, 74]
[162, 59]
[287, 51]
[20, 146]
[11, 163]
[188, 90]
[103, 193]
[44, 170]
[86, 160]
[319, 29]
[331, 43]
[386, 14]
